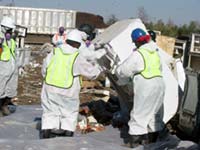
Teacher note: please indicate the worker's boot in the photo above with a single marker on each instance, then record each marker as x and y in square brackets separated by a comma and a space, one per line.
[135, 140]
[163, 134]
[153, 136]
[68, 133]
[4, 107]
[145, 139]
[124, 133]
[45, 134]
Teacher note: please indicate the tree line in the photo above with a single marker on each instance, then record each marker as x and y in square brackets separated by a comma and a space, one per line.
[168, 29]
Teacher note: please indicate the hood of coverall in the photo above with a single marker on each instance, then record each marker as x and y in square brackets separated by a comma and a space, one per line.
[150, 46]
[68, 49]
[7, 23]
[73, 35]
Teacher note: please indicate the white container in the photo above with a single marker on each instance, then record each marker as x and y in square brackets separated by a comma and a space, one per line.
[40, 21]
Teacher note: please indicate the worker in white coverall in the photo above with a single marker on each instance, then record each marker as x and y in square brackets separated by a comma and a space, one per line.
[60, 37]
[61, 70]
[8, 65]
[143, 67]
[87, 49]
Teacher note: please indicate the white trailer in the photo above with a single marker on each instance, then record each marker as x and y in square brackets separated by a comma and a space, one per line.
[43, 23]
[40, 21]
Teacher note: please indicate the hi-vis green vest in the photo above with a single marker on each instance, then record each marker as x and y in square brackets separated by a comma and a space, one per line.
[151, 64]
[60, 69]
[8, 52]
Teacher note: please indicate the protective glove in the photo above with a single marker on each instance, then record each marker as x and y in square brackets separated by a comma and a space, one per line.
[98, 46]
[100, 53]
[83, 35]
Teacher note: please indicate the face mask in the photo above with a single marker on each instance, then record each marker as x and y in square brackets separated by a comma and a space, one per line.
[87, 43]
[8, 36]
[61, 30]
[91, 36]
[61, 33]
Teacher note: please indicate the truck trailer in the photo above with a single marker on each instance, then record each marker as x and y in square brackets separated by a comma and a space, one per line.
[42, 23]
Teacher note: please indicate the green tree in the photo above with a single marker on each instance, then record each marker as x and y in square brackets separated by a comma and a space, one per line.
[150, 25]
[183, 30]
[193, 26]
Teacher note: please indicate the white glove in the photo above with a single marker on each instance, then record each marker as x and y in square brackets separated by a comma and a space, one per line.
[98, 46]
[100, 53]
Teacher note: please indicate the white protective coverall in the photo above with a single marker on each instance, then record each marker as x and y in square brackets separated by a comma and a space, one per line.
[87, 49]
[90, 54]
[58, 39]
[146, 114]
[8, 75]
[61, 106]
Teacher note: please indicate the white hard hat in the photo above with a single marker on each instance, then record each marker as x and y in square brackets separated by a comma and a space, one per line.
[8, 22]
[75, 35]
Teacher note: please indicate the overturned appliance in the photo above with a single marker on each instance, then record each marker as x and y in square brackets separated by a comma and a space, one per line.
[118, 44]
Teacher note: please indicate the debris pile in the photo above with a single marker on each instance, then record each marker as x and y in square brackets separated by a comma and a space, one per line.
[30, 83]
[89, 124]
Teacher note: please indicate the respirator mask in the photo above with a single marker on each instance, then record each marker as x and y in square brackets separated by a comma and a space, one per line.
[7, 32]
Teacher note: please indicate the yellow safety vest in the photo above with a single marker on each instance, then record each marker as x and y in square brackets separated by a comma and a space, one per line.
[60, 69]
[151, 64]
[8, 52]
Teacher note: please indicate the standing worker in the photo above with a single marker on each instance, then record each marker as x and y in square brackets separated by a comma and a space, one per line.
[60, 37]
[8, 65]
[90, 34]
[61, 70]
[143, 67]
[87, 49]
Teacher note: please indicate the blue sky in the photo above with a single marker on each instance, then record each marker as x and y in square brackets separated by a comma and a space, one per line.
[180, 11]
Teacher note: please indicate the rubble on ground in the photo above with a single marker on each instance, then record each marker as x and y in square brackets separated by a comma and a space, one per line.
[30, 83]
